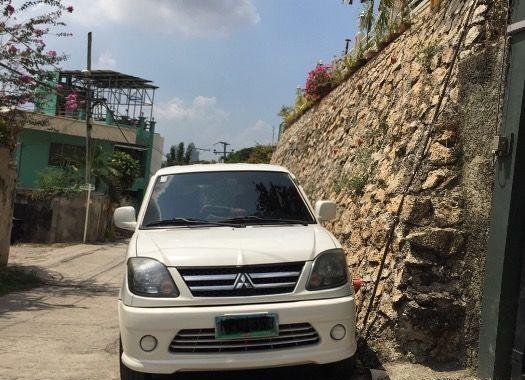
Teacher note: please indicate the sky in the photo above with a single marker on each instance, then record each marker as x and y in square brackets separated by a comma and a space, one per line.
[224, 67]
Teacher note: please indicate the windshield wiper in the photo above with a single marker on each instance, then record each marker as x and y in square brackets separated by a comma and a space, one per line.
[260, 220]
[190, 221]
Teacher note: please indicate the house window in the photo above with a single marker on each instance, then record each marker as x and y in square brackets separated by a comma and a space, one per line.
[66, 154]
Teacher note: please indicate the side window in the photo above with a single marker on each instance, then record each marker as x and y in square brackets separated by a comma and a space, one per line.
[65, 154]
[55, 154]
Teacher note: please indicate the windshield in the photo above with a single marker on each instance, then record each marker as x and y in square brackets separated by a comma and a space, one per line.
[247, 197]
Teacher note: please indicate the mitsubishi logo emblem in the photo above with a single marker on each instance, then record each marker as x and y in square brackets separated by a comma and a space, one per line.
[243, 281]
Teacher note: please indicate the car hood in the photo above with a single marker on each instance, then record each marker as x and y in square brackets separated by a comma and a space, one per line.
[225, 246]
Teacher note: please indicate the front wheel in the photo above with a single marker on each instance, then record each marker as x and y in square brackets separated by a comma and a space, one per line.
[129, 374]
[340, 370]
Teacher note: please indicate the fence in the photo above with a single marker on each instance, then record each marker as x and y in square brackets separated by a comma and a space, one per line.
[59, 220]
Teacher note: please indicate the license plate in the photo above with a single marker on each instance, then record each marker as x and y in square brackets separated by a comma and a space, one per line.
[246, 326]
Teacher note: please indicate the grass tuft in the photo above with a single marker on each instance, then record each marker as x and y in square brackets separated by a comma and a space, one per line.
[13, 279]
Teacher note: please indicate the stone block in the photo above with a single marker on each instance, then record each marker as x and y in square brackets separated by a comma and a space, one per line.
[444, 242]
[416, 211]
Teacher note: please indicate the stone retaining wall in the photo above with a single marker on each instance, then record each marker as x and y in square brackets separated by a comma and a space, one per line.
[359, 146]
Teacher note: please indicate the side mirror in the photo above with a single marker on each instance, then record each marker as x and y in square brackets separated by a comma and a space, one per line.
[124, 217]
[325, 210]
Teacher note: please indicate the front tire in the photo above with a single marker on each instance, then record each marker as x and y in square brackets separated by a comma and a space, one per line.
[129, 374]
[340, 370]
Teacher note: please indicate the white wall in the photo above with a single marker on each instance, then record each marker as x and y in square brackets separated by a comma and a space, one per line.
[157, 156]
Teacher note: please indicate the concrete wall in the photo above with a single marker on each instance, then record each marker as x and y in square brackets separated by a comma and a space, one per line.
[33, 152]
[157, 155]
[359, 146]
[61, 219]
[73, 127]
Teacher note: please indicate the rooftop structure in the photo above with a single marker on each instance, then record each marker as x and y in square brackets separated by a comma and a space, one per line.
[122, 121]
[117, 98]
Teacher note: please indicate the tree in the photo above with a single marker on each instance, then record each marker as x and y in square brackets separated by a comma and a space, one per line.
[179, 156]
[126, 170]
[25, 63]
[118, 172]
[259, 154]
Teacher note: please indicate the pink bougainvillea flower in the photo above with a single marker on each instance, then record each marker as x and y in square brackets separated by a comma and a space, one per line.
[52, 53]
[12, 49]
[70, 9]
[10, 9]
[71, 102]
[39, 32]
[26, 78]
[60, 87]
[318, 82]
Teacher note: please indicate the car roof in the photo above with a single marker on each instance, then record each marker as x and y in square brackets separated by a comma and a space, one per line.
[220, 168]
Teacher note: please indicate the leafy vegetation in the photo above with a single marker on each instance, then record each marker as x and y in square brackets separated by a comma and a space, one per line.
[117, 172]
[427, 55]
[25, 27]
[178, 155]
[376, 32]
[14, 279]
[56, 182]
[355, 184]
[125, 170]
[259, 154]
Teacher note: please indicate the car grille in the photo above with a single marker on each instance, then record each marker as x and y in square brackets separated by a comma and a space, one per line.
[203, 340]
[242, 281]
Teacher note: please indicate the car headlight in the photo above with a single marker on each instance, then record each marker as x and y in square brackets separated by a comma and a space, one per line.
[329, 271]
[149, 278]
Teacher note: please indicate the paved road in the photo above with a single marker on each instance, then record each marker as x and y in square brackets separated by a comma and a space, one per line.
[69, 331]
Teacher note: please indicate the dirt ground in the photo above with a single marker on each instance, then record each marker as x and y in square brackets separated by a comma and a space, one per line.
[68, 330]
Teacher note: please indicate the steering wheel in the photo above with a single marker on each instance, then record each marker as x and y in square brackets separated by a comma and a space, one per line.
[215, 211]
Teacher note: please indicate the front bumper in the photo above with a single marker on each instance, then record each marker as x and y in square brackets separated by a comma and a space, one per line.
[164, 323]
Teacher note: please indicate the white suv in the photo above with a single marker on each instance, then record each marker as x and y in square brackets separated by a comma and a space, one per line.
[229, 268]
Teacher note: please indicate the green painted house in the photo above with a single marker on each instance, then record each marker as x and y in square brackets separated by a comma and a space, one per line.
[122, 121]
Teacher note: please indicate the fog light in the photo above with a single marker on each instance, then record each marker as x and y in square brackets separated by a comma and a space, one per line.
[148, 343]
[338, 332]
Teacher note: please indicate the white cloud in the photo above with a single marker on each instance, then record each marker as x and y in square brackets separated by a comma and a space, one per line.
[201, 122]
[258, 133]
[187, 17]
[204, 122]
[202, 109]
[106, 61]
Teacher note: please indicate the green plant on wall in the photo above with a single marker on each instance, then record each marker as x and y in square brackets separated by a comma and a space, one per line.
[427, 55]
[355, 184]
[56, 182]
[375, 32]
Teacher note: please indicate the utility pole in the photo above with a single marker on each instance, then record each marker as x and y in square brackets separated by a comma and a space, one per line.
[88, 135]
[224, 151]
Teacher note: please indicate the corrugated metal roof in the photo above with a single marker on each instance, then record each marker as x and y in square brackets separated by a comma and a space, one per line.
[111, 79]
